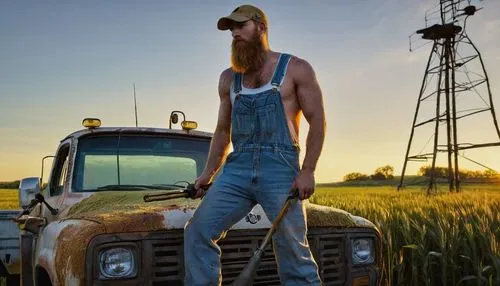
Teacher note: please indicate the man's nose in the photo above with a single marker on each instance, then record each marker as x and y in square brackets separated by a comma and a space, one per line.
[235, 32]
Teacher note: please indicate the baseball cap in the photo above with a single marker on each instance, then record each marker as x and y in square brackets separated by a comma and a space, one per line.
[242, 14]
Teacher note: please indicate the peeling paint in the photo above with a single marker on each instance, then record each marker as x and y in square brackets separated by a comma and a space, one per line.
[69, 278]
[47, 243]
[70, 252]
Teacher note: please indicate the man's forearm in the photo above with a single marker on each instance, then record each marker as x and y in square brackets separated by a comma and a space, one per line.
[218, 151]
[314, 143]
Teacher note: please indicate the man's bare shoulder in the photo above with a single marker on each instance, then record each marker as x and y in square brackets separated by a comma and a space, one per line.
[225, 80]
[300, 68]
[226, 77]
[227, 74]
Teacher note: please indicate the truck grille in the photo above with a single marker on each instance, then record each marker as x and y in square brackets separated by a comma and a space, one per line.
[167, 265]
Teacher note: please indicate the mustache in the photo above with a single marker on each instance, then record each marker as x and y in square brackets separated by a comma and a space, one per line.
[238, 40]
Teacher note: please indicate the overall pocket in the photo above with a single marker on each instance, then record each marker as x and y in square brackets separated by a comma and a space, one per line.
[244, 120]
[267, 120]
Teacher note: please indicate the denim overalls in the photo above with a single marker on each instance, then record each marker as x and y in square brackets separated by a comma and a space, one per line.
[261, 169]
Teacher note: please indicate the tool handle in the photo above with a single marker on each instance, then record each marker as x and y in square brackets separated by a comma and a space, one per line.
[192, 191]
[188, 192]
[246, 276]
[294, 193]
[164, 196]
[277, 221]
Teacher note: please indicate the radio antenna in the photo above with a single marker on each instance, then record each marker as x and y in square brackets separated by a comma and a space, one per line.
[135, 106]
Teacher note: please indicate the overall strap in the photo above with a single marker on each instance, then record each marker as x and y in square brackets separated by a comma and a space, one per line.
[236, 83]
[280, 71]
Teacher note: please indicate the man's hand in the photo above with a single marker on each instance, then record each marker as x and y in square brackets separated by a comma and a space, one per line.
[305, 183]
[201, 185]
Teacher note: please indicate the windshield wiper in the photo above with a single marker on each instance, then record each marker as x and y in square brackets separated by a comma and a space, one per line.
[163, 187]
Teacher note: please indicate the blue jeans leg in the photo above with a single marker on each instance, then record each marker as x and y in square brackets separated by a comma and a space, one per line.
[224, 204]
[295, 261]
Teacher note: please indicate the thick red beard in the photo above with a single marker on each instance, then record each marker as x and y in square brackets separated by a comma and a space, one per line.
[247, 56]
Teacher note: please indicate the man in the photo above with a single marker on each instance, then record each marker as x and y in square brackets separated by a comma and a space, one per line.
[262, 96]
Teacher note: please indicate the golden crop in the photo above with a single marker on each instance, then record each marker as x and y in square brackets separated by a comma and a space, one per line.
[9, 199]
[443, 239]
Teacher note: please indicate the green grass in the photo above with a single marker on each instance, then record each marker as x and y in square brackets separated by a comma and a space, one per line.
[9, 199]
[443, 239]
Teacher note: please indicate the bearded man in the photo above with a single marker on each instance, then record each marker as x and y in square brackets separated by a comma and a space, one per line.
[262, 96]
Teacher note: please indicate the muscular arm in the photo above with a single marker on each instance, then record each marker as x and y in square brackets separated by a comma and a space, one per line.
[310, 99]
[221, 138]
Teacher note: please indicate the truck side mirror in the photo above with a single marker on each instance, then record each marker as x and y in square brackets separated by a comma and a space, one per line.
[28, 188]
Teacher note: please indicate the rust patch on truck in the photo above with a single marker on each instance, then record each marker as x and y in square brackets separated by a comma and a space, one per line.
[105, 212]
[128, 221]
[70, 253]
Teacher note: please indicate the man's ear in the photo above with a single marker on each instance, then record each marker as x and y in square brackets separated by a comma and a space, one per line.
[262, 27]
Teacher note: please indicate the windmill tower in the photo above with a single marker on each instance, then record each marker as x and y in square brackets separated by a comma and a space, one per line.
[455, 88]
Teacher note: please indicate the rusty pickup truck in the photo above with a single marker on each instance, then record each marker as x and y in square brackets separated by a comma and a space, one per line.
[91, 226]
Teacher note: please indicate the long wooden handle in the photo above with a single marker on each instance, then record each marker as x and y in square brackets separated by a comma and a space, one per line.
[163, 197]
[276, 223]
[247, 274]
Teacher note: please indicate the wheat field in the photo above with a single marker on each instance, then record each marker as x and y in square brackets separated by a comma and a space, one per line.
[443, 239]
[9, 199]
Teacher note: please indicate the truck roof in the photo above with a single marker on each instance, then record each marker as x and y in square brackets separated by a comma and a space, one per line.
[137, 130]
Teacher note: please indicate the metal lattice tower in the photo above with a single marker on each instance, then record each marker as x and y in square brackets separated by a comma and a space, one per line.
[451, 61]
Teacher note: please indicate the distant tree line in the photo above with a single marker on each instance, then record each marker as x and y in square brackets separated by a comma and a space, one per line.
[9, 185]
[387, 173]
[442, 172]
[381, 173]
[15, 185]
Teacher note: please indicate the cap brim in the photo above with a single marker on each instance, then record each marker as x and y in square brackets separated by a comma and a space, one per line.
[225, 23]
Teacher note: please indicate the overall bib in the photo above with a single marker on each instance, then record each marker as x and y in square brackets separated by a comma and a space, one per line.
[260, 170]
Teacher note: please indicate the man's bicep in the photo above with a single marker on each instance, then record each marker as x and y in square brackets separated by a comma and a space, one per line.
[224, 116]
[309, 93]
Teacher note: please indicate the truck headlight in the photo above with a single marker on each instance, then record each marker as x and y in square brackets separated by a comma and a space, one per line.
[362, 251]
[117, 263]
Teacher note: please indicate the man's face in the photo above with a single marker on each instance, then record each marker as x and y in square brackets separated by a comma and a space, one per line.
[245, 31]
[248, 47]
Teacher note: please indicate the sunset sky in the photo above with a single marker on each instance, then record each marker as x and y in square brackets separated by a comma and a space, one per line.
[61, 61]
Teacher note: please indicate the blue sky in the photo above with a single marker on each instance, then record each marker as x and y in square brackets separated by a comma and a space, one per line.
[62, 61]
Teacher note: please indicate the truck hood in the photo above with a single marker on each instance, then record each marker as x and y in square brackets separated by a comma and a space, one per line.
[127, 212]
[110, 212]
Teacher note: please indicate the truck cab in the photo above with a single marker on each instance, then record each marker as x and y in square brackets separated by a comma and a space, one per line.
[91, 225]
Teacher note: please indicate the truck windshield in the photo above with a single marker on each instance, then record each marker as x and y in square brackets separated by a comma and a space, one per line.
[137, 160]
